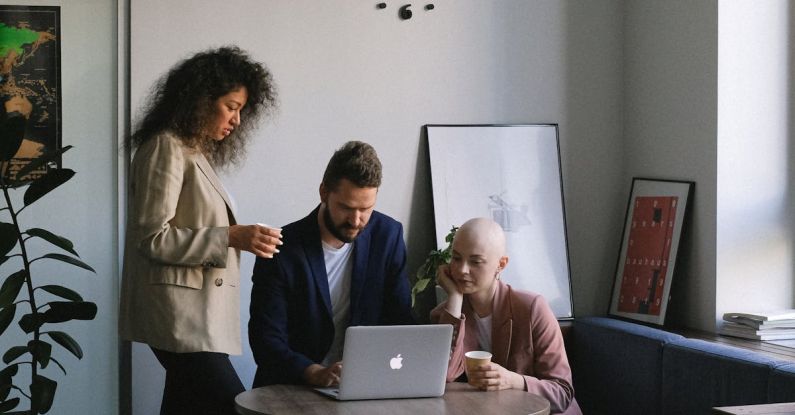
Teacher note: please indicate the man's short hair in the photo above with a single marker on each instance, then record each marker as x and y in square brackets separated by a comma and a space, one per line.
[356, 161]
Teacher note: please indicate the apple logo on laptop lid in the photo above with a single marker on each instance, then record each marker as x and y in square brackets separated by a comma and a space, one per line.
[396, 362]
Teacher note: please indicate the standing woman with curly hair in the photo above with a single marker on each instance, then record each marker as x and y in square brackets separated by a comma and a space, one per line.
[181, 281]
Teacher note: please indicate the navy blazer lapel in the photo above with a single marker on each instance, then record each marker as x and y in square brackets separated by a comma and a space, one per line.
[361, 253]
[314, 253]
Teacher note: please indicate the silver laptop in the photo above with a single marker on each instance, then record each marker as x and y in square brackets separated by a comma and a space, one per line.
[383, 362]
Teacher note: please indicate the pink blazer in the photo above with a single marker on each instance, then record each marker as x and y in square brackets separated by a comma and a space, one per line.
[525, 338]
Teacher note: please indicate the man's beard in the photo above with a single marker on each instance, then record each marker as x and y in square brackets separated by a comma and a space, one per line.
[336, 230]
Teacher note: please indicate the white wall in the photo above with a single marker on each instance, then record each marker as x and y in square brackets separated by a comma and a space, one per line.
[708, 98]
[670, 129]
[84, 209]
[754, 205]
[634, 85]
[346, 70]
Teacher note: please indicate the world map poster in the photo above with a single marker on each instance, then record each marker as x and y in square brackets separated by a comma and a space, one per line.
[30, 90]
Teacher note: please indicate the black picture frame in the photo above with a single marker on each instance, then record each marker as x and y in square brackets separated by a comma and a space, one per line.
[30, 89]
[655, 218]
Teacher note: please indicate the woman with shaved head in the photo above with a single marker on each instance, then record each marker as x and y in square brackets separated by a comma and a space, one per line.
[517, 327]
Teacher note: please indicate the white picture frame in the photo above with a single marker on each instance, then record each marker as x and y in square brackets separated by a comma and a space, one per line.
[511, 174]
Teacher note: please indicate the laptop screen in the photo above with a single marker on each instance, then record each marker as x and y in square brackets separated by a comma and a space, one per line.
[395, 361]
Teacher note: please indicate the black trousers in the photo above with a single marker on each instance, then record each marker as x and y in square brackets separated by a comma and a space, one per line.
[198, 383]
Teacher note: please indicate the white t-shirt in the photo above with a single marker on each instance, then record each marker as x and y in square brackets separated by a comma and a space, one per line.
[339, 267]
[484, 332]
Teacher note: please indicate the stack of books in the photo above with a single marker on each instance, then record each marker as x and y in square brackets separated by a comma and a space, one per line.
[776, 325]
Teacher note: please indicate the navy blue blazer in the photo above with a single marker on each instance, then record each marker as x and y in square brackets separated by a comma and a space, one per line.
[291, 326]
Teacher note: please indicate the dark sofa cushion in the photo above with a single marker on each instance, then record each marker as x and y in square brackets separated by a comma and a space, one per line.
[698, 375]
[782, 384]
[617, 366]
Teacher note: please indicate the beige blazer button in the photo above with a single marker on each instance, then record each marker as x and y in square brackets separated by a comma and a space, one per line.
[218, 282]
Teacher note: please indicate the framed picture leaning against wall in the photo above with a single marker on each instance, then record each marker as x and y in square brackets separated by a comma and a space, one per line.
[511, 174]
[649, 246]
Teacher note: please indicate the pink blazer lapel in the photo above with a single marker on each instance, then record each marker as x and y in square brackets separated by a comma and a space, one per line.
[471, 327]
[502, 324]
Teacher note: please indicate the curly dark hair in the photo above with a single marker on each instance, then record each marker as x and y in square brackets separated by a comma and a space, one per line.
[182, 102]
[356, 161]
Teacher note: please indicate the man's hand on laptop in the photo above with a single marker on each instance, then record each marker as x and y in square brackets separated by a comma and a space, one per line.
[319, 375]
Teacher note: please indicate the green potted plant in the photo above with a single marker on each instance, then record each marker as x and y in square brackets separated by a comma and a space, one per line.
[36, 309]
[423, 288]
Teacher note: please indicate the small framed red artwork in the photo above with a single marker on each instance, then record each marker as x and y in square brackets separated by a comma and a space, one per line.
[649, 244]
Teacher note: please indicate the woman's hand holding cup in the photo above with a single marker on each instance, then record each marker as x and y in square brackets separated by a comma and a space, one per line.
[261, 240]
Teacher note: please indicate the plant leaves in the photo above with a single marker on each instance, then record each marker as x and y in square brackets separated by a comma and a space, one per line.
[42, 160]
[5, 390]
[54, 239]
[41, 351]
[68, 260]
[13, 353]
[57, 363]
[11, 287]
[8, 405]
[30, 322]
[9, 372]
[61, 311]
[12, 131]
[451, 235]
[6, 317]
[426, 274]
[67, 342]
[420, 285]
[8, 237]
[62, 292]
[6, 382]
[42, 392]
[46, 183]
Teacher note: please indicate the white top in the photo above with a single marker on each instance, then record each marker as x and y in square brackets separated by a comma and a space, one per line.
[338, 268]
[484, 332]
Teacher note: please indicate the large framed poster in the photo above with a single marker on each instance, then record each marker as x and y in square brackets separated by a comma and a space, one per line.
[649, 245]
[30, 84]
[511, 174]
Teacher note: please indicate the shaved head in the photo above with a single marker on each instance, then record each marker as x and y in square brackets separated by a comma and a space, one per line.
[485, 233]
[478, 257]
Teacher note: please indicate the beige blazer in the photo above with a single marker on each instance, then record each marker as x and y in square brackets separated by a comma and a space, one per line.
[180, 283]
